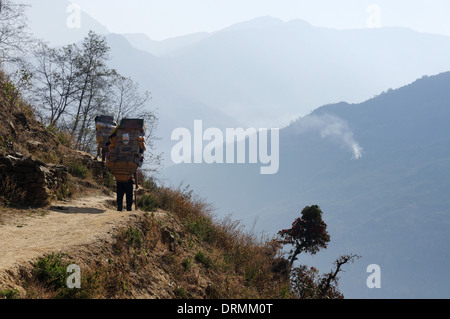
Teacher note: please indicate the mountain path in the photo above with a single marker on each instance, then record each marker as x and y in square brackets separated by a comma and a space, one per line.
[60, 227]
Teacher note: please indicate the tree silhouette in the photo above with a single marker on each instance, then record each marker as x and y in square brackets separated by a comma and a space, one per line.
[308, 233]
[306, 283]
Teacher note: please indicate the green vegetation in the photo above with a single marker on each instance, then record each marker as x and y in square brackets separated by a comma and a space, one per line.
[187, 264]
[148, 203]
[181, 293]
[9, 294]
[6, 142]
[51, 270]
[109, 181]
[65, 191]
[10, 96]
[134, 238]
[203, 259]
[77, 169]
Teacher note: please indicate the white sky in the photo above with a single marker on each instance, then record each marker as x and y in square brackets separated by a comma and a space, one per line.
[161, 19]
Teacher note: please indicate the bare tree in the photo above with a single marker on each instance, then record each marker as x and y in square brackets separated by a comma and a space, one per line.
[91, 69]
[306, 283]
[96, 100]
[127, 100]
[328, 284]
[71, 84]
[74, 85]
[14, 38]
[55, 73]
[126, 97]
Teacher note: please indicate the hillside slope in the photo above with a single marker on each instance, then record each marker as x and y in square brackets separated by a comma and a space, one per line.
[26, 236]
[136, 255]
[57, 207]
[85, 231]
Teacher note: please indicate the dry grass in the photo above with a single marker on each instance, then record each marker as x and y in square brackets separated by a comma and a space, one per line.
[182, 253]
[10, 192]
[240, 264]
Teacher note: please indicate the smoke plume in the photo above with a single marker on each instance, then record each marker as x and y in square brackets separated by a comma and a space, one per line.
[332, 127]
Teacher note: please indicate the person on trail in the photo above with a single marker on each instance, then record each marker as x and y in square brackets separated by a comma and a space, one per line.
[126, 188]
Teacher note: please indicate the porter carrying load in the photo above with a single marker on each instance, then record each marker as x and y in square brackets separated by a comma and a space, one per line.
[104, 126]
[126, 149]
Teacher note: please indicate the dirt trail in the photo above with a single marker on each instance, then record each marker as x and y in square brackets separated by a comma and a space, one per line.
[63, 225]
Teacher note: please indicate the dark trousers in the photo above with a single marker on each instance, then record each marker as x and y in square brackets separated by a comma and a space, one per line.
[125, 188]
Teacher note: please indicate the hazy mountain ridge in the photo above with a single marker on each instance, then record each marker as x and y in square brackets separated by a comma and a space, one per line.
[264, 72]
[390, 206]
[60, 22]
[160, 48]
[270, 72]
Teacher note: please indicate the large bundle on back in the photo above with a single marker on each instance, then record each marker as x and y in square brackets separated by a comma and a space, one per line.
[104, 126]
[126, 149]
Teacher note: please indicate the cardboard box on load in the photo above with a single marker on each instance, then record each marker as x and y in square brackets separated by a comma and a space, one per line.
[122, 170]
[121, 158]
[126, 147]
[104, 130]
[133, 124]
[132, 149]
[104, 119]
[127, 136]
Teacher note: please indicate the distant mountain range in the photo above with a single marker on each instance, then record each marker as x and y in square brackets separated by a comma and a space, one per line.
[261, 73]
[391, 205]
[266, 72]
[160, 48]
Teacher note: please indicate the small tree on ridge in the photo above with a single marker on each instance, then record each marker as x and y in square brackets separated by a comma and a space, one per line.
[308, 233]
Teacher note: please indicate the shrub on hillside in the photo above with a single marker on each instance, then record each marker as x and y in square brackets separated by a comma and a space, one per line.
[77, 169]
